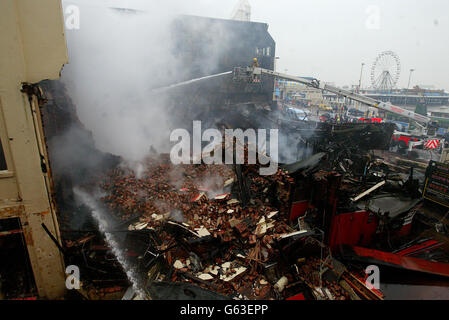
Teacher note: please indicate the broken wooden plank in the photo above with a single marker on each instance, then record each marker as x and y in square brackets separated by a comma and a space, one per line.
[360, 196]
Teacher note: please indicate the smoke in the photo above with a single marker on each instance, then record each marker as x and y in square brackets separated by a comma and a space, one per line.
[176, 176]
[177, 216]
[73, 154]
[116, 60]
[213, 183]
[293, 146]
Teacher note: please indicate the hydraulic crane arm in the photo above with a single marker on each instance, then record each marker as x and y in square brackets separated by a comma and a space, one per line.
[256, 71]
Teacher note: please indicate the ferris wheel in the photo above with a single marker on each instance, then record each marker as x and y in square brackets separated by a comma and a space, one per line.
[385, 71]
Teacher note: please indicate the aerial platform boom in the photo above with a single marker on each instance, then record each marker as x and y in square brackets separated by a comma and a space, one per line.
[385, 106]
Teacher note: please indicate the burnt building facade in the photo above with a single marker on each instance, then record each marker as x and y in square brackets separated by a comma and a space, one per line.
[31, 264]
[206, 46]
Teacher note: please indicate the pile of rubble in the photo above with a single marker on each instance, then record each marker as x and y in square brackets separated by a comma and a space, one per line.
[233, 233]
[192, 207]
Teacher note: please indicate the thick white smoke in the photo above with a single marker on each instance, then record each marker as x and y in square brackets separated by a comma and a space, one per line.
[116, 58]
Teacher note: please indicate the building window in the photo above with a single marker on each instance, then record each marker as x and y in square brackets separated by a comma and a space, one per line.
[263, 51]
[2, 158]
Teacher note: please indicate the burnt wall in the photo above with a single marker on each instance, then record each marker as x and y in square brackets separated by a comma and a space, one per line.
[209, 46]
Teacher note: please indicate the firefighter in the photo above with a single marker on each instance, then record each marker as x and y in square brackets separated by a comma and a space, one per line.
[255, 63]
[256, 78]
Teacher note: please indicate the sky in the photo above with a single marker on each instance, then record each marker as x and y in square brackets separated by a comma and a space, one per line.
[330, 39]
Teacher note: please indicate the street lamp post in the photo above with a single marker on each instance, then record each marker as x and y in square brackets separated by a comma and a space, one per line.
[360, 84]
[409, 78]
[408, 85]
[361, 73]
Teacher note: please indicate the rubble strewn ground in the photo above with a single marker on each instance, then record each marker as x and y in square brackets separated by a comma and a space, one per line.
[201, 225]
[237, 234]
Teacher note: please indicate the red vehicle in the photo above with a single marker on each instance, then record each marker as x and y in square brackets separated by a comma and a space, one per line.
[402, 140]
[371, 120]
[323, 118]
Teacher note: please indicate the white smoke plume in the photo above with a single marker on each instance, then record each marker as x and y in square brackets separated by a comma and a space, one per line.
[116, 59]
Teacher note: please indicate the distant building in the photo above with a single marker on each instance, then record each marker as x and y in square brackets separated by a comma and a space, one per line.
[440, 115]
[410, 97]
